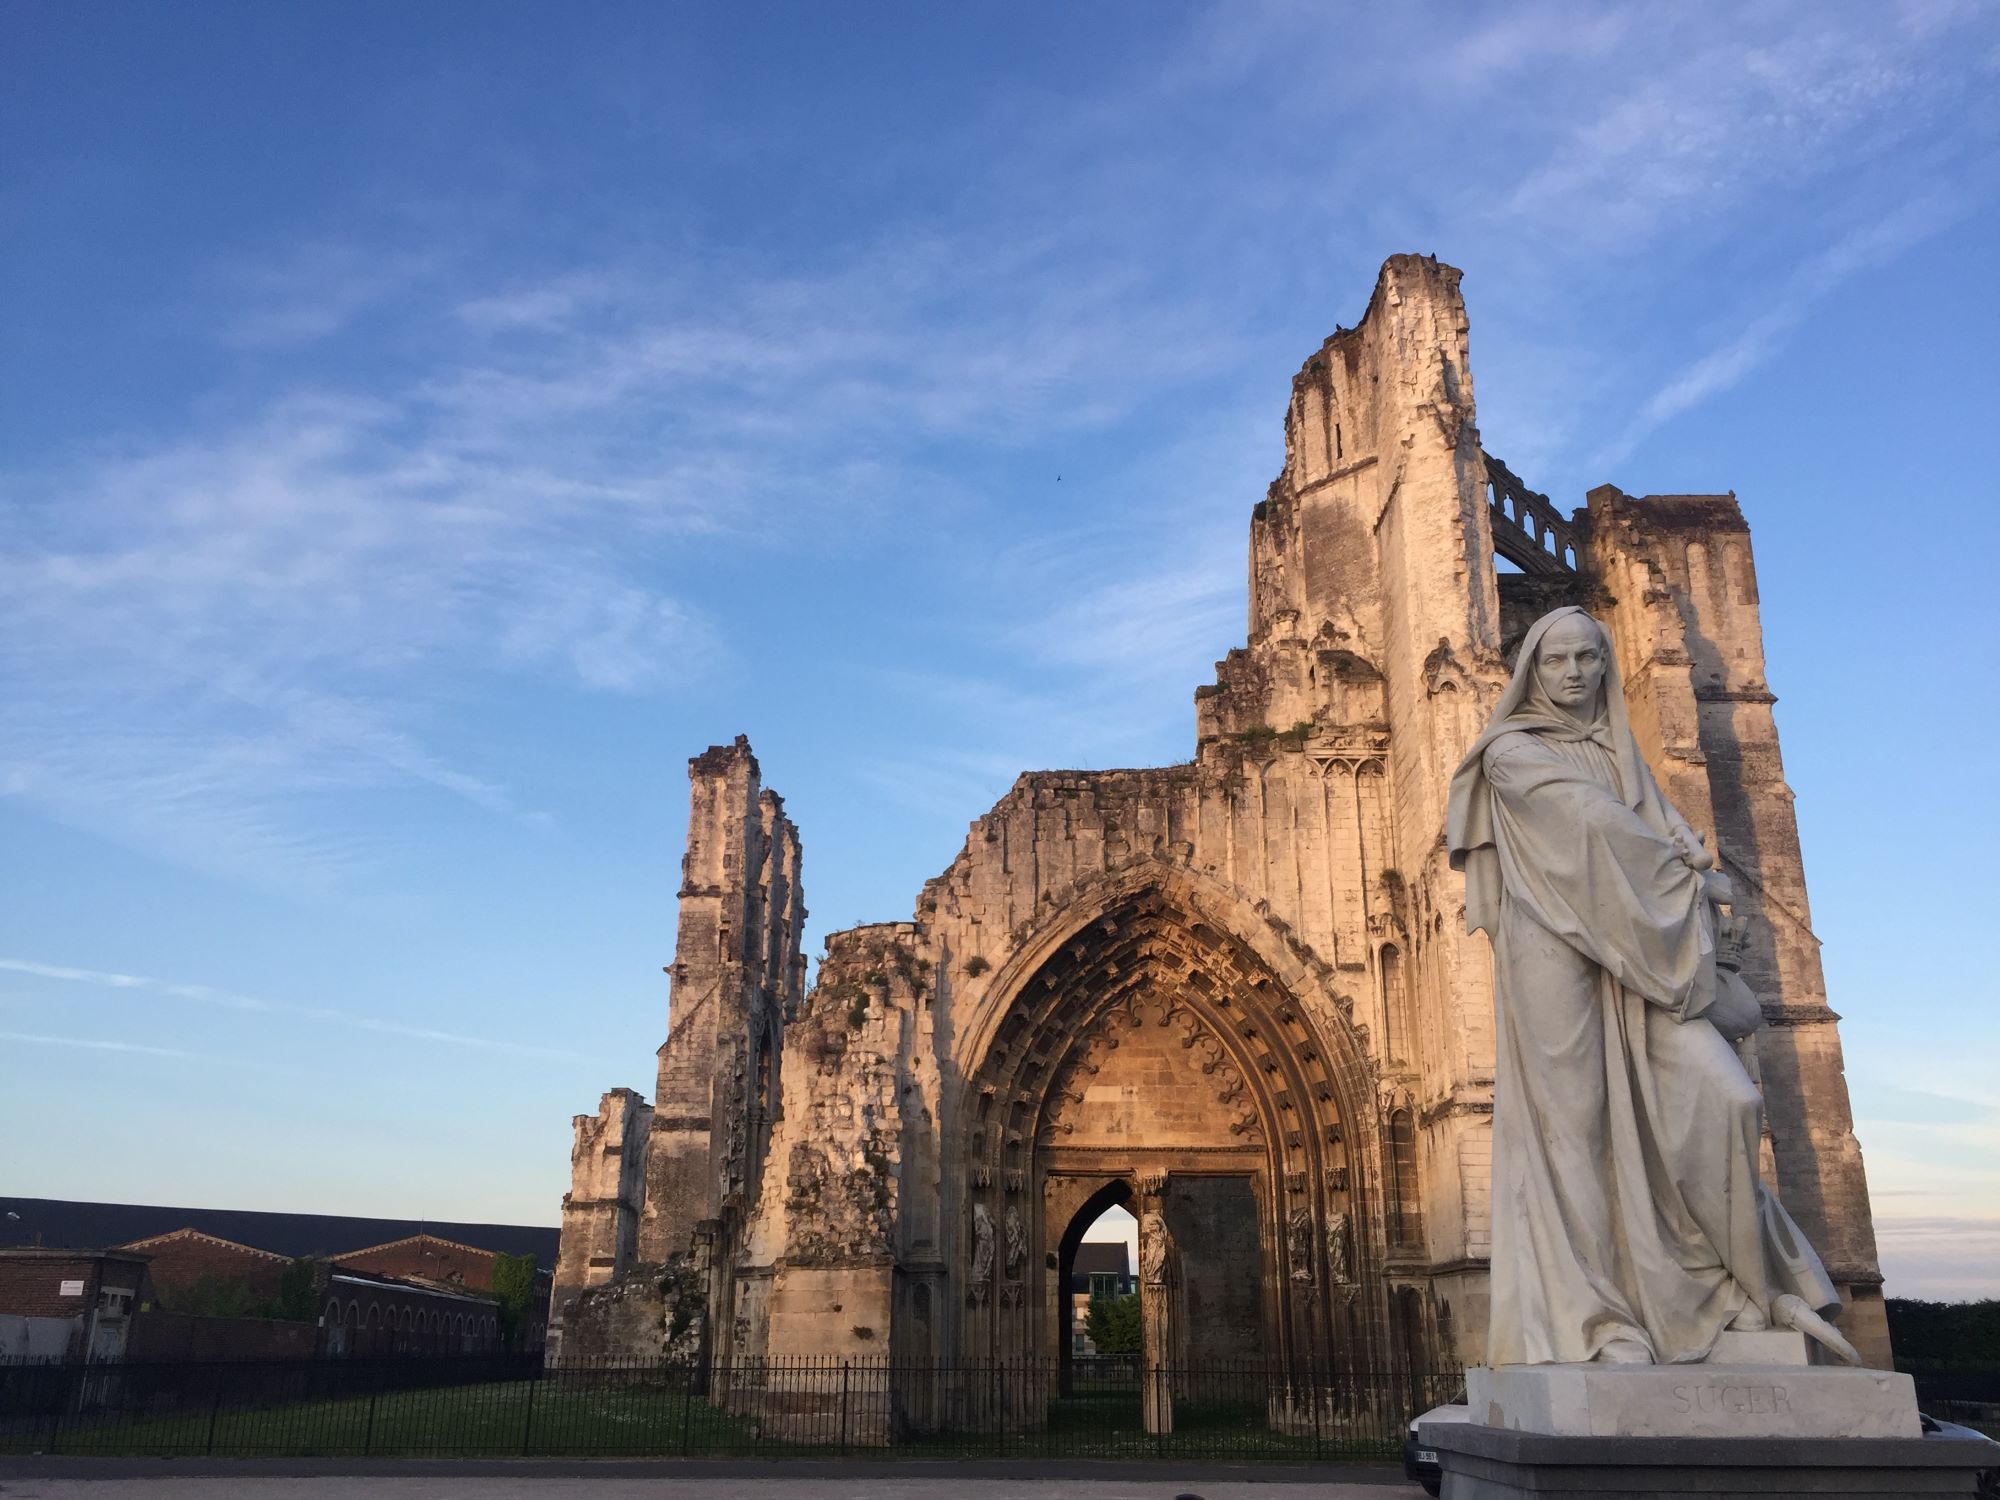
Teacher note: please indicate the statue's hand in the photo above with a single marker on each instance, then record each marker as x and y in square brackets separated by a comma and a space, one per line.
[1691, 848]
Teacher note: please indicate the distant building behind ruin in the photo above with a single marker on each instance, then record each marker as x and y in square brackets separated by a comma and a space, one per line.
[1235, 993]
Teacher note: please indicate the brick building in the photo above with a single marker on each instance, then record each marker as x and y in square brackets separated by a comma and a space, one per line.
[384, 1286]
[380, 1315]
[66, 1304]
[183, 1258]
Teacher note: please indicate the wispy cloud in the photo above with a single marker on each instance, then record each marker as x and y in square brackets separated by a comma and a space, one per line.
[316, 289]
[207, 631]
[97, 1044]
[1862, 249]
[208, 995]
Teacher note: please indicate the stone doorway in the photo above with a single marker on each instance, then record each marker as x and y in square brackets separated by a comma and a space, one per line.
[1149, 1058]
[1057, 1193]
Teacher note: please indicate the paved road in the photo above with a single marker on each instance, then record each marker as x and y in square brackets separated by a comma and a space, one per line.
[171, 1480]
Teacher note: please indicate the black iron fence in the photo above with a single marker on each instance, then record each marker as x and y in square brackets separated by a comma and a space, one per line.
[509, 1405]
[1968, 1395]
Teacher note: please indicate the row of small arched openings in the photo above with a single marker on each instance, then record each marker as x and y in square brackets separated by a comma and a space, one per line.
[405, 1327]
[1543, 535]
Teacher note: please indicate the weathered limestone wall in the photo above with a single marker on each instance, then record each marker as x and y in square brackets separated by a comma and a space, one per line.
[600, 1222]
[1690, 638]
[737, 970]
[830, 1224]
[655, 1190]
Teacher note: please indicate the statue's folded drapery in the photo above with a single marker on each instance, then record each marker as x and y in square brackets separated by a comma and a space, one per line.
[1626, 1198]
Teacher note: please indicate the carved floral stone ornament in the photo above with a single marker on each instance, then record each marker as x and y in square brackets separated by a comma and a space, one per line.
[1620, 1155]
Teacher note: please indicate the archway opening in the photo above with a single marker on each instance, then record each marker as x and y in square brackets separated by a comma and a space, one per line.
[1096, 1262]
[1154, 1049]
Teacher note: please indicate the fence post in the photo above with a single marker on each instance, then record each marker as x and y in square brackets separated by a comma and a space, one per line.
[687, 1411]
[528, 1417]
[845, 1367]
[214, 1409]
[1312, 1395]
[368, 1432]
[61, 1403]
[1159, 1408]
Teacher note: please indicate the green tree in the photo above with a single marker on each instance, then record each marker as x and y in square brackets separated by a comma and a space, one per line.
[213, 1296]
[298, 1301]
[514, 1290]
[1113, 1324]
[1944, 1335]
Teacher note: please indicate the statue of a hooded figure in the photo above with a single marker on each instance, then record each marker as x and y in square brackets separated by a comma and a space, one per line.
[1629, 1224]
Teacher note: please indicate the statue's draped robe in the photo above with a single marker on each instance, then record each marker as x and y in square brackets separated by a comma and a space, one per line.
[1626, 1196]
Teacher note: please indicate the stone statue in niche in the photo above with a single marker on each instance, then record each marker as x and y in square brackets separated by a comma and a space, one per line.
[1017, 1242]
[1339, 1250]
[1153, 1248]
[1625, 1129]
[982, 1252]
[1299, 1246]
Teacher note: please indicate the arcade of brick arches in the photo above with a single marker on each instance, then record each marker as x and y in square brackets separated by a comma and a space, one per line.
[1235, 995]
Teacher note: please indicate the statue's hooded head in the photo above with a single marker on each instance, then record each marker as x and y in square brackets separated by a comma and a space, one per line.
[1565, 686]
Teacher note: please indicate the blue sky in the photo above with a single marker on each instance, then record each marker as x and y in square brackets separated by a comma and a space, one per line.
[424, 427]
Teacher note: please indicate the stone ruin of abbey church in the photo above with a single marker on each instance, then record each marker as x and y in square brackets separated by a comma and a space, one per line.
[1234, 995]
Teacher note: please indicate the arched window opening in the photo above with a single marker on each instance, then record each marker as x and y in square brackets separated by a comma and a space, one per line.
[1406, 1221]
[1395, 1004]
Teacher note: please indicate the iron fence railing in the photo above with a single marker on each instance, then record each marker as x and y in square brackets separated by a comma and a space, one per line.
[511, 1406]
[1968, 1395]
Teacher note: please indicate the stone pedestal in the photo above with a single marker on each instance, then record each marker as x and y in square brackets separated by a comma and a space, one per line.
[1490, 1463]
[1701, 1401]
[1783, 1427]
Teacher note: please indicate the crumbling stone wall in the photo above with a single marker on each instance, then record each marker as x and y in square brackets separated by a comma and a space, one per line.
[650, 1314]
[657, 1188]
[600, 1223]
[737, 970]
[830, 1226]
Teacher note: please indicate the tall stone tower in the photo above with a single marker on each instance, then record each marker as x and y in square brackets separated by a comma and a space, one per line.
[1235, 995]
[659, 1186]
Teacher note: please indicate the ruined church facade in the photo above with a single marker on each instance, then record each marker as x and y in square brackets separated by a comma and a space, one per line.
[1235, 995]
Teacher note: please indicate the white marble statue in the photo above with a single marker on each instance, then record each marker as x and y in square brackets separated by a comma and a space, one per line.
[1629, 1223]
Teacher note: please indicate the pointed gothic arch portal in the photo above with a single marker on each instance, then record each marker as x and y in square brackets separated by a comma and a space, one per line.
[1155, 1059]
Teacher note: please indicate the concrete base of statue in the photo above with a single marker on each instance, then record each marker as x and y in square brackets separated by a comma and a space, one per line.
[1778, 1397]
[1781, 1426]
